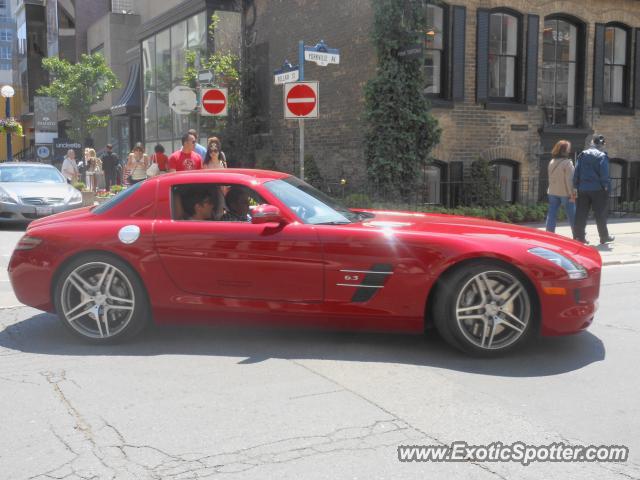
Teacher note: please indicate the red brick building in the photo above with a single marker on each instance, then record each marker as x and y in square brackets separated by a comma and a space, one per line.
[507, 79]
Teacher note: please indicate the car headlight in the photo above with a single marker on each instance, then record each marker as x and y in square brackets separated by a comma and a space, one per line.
[75, 197]
[573, 269]
[5, 197]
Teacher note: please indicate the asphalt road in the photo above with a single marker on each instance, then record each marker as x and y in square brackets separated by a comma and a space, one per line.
[192, 403]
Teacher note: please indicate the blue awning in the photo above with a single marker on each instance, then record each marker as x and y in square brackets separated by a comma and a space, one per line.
[129, 102]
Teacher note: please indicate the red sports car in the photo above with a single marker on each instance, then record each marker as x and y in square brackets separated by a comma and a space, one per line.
[188, 248]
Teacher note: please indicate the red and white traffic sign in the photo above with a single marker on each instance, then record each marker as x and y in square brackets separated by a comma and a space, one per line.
[214, 102]
[301, 100]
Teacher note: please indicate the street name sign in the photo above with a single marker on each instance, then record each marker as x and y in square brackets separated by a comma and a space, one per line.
[286, 76]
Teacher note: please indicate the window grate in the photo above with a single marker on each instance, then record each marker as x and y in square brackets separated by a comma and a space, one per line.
[122, 6]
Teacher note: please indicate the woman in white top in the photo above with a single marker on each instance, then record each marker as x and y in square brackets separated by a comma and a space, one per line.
[70, 167]
[137, 164]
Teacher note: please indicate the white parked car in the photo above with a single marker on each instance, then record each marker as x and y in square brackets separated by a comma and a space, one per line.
[34, 190]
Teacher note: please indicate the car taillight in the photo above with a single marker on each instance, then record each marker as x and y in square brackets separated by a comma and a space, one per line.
[27, 243]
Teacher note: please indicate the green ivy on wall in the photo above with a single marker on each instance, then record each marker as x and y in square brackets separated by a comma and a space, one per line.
[400, 130]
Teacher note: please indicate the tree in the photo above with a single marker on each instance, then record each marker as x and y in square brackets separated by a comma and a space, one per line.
[400, 130]
[79, 86]
[483, 190]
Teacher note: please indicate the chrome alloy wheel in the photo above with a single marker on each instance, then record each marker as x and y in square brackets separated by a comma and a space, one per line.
[97, 300]
[493, 310]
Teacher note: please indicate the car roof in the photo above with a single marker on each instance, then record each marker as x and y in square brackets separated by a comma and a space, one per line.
[234, 174]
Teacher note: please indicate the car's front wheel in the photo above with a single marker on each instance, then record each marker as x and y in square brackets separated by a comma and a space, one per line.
[485, 309]
[101, 299]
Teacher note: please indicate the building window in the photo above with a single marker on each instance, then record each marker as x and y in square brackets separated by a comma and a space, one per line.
[615, 64]
[3, 4]
[434, 50]
[507, 174]
[163, 67]
[503, 55]
[6, 35]
[5, 53]
[559, 66]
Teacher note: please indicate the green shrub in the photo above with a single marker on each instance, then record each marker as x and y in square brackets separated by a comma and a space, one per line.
[79, 186]
[358, 200]
[116, 188]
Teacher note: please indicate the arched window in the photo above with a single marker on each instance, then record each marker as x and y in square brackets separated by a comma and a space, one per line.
[507, 174]
[503, 55]
[434, 48]
[616, 64]
[560, 64]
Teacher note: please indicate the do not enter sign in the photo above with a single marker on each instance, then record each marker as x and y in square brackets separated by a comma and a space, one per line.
[301, 100]
[214, 102]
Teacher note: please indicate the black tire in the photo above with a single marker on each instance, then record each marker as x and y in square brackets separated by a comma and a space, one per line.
[126, 305]
[496, 326]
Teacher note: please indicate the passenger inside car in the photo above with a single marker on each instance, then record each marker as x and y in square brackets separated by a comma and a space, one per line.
[237, 200]
[198, 203]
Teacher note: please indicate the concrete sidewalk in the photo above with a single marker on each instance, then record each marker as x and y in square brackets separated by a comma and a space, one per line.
[625, 249]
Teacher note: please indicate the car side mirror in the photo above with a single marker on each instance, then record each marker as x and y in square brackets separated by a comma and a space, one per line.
[266, 214]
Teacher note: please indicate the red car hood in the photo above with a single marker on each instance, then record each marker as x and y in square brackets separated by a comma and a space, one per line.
[474, 229]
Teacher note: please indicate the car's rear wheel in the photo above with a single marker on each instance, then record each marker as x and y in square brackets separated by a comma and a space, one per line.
[101, 299]
[485, 309]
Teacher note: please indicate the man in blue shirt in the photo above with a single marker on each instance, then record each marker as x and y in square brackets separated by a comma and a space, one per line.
[200, 150]
[591, 181]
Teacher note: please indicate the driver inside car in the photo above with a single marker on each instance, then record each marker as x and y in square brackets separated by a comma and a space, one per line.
[237, 200]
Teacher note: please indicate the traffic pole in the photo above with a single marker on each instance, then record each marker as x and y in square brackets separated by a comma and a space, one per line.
[301, 120]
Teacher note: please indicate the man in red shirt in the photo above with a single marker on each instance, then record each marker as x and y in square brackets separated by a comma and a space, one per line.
[187, 158]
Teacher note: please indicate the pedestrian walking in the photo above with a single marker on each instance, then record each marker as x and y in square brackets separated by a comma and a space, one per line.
[199, 149]
[110, 163]
[70, 169]
[592, 184]
[560, 191]
[137, 164]
[221, 155]
[213, 158]
[160, 158]
[186, 158]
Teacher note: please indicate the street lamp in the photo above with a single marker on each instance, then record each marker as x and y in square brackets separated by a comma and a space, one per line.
[8, 92]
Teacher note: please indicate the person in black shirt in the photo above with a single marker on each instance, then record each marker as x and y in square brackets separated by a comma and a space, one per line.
[110, 162]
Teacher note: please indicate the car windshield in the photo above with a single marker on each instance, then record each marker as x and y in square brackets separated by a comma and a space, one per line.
[30, 174]
[311, 205]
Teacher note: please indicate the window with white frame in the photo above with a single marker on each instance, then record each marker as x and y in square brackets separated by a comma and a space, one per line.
[615, 64]
[6, 35]
[5, 53]
[503, 55]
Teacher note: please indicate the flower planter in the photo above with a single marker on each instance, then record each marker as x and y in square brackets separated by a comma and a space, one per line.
[88, 198]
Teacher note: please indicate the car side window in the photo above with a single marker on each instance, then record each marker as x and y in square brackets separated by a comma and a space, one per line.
[213, 202]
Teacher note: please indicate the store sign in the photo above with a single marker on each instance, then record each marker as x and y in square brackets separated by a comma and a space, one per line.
[62, 145]
[45, 119]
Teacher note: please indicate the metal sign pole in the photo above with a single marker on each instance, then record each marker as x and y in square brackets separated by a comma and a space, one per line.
[198, 108]
[301, 120]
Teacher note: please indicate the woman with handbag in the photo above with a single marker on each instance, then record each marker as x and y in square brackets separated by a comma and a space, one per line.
[137, 164]
[560, 190]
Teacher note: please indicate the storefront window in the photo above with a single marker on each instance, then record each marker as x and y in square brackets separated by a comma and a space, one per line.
[164, 63]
